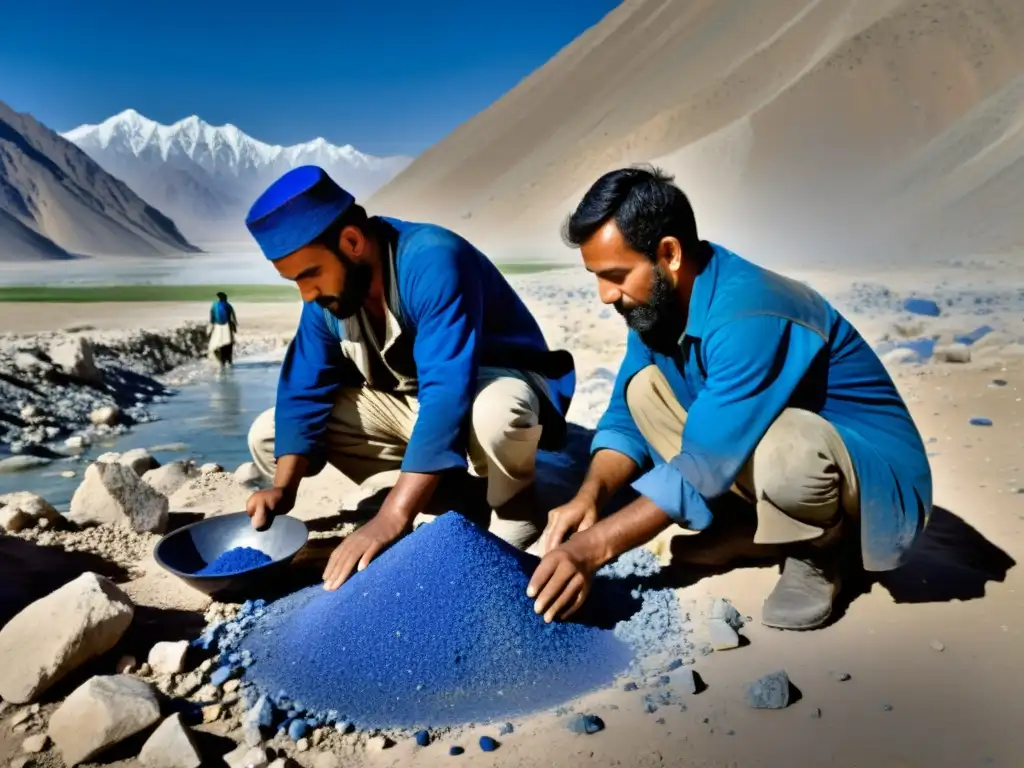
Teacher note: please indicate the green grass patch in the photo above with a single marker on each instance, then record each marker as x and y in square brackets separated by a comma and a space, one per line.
[283, 292]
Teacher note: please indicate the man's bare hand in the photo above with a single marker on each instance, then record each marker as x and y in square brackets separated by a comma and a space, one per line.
[561, 582]
[575, 517]
[264, 505]
[360, 547]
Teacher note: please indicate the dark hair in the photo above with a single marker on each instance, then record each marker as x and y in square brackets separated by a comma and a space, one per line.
[222, 295]
[646, 206]
[354, 216]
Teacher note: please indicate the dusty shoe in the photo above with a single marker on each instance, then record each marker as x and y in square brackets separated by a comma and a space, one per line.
[803, 596]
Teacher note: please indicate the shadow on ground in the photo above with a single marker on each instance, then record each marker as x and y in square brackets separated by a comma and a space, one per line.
[29, 572]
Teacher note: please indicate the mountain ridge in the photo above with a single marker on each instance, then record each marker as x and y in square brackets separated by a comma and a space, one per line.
[206, 176]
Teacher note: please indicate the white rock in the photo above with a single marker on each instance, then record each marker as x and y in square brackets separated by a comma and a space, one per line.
[721, 636]
[29, 412]
[302, 745]
[75, 357]
[112, 493]
[110, 457]
[101, 713]
[24, 510]
[245, 756]
[171, 746]
[139, 460]
[168, 658]
[211, 469]
[953, 353]
[67, 474]
[56, 634]
[35, 744]
[170, 477]
[106, 414]
[247, 473]
[76, 442]
[900, 356]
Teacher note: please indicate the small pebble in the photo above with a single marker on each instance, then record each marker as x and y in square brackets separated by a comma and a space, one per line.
[487, 744]
[660, 721]
[506, 729]
[674, 665]
[302, 745]
[730, 732]
[816, 713]
[586, 724]
[423, 738]
[770, 692]
[937, 645]
[842, 677]
[887, 707]
[455, 750]
[628, 687]
[981, 421]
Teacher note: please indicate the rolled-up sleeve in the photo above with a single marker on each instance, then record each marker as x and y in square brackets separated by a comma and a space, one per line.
[313, 370]
[617, 431]
[754, 366]
[441, 290]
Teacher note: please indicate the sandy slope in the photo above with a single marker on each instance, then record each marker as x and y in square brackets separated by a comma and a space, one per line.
[812, 125]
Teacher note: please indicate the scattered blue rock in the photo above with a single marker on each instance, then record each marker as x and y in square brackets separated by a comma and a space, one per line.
[298, 729]
[664, 680]
[676, 664]
[454, 750]
[586, 724]
[628, 687]
[919, 306]
[423, 738]
[770, 692]
[976, 335]
[221, 675]
[981, 421]
[506, 729]
[487, 744]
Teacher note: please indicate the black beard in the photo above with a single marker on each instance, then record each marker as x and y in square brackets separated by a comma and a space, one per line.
[357, 287]
[658, 322]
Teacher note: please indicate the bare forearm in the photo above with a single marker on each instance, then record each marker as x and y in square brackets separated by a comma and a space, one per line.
[609, 471]
[630, 527]
[290, 471]
[410, 495]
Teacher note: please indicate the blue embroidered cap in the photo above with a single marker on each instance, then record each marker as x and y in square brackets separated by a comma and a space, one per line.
[295, 210]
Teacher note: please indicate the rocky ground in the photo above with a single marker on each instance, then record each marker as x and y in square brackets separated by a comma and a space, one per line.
[59, 391]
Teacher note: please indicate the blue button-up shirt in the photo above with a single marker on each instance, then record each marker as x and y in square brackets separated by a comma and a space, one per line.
[756, 343]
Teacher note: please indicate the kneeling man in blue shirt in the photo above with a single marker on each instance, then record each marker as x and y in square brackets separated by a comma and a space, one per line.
[735, 380]
[412, 353]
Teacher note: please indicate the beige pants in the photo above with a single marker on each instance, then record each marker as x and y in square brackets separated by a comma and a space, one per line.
[800, 478]
[369, 429]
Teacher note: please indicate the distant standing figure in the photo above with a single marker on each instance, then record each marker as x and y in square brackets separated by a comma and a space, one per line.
[222, 336]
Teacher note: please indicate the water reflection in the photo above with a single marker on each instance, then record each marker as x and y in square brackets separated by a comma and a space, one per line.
[211, 417]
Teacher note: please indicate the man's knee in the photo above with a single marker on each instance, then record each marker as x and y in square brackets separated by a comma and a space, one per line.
[261, 442]
[641, 398]
[799, 467]
[505, 418]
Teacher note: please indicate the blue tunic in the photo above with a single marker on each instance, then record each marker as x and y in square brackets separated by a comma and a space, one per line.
[756, 343]
[461, 314]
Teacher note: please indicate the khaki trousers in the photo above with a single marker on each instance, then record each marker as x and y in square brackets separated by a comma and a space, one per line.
[369, 429]
[800, 477]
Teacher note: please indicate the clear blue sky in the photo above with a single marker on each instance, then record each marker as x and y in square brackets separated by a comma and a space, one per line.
[388, 76]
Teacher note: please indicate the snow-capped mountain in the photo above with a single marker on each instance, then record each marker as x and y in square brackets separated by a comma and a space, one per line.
[205, 177]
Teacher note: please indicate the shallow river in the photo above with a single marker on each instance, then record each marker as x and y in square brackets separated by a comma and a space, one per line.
[207, 421]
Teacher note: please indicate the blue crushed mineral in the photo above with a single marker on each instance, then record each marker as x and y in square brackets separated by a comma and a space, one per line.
[237, 560]
[438, 631]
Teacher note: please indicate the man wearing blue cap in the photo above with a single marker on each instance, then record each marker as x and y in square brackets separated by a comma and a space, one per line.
[412, 353]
